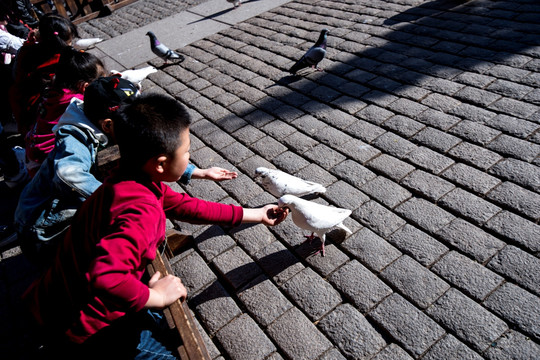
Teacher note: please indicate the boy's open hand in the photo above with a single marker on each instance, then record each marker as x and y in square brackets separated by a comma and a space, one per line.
[216, 174]
[164, 291]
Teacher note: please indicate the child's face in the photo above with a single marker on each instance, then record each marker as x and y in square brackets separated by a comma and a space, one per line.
[175, 166]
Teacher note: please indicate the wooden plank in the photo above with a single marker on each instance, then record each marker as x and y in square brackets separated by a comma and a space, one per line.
[193, 346]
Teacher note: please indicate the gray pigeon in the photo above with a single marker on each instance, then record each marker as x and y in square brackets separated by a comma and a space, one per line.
[314, 55]
[279, 183]
[161, 50]
[317, 218]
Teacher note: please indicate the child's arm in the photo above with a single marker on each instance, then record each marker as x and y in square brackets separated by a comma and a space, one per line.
[164, 291]
[214, 173]
[268, 215]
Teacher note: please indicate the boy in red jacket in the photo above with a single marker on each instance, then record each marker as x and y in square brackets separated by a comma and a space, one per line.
[92, 301]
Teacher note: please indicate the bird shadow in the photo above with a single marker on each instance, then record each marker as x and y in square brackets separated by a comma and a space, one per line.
[219, 13]
[166, 65]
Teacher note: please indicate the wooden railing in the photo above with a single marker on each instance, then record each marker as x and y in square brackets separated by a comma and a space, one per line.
[80, 11]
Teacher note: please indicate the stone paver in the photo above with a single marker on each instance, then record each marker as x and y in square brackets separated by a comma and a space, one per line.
[425, 123]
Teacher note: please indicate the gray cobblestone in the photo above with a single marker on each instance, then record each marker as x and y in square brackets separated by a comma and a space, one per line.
[451, 348]
[391, 167]
[517, 306]
[469, 206]
[475, 155]
[471, 240]
[427, 184]
[517, 229]
[189, 266]
[212, 242]
[359, 285]
[278, 263]
[425, 214]
[475, 132]
[521, 200]
[215, 307]
[394, 145]
[513, 345]
[378, 218]
[268, 147]
[236, 267]
[519, 266]
[243, 339]
[264, 300]
[477, 96]
[392, 352]
[414, 281]
[513, 126]
[514, 107]
[351, 332]
[324, 156]
[519, 172]
[322, 296]
[438, 119]
[440, 102]
[297, 336]
[359, 150]
[353, 173]
[467, 275]
[403, 125]
[365, 131]
[429, 160]
[354, 199]
[410, 327]
[469, 321]
[514, 147]
[317, 174]
[386, 191]
[436, 139]
[364, 242]
[471, 178]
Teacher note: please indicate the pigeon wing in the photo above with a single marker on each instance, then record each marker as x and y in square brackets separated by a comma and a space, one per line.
[315, 55]
[321, 217]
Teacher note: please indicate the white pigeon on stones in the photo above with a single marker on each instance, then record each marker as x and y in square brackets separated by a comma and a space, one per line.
[279, 183]
[314, 217]
[136, 76]
[86, 43]
[162, 50]
[236, 3]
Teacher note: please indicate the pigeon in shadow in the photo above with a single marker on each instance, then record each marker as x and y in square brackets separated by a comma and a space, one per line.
[279, 183]
[163, 51]
[314, 217]
[314, 55]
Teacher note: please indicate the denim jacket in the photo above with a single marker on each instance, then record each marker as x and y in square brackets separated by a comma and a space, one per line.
[64, 180]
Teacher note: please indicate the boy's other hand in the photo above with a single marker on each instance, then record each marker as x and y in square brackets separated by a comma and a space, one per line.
[165, 291]
[214, 173]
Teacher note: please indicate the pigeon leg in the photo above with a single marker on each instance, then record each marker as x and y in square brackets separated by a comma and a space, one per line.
[309, 238]
[321, 250]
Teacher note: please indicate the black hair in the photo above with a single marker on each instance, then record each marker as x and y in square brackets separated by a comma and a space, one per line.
[149, 125]
[56, 32]
[74, 67]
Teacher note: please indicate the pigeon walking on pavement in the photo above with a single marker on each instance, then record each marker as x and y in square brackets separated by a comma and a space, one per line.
[236, 3]
[317, 218]
[314, 55]
[279, 183]
[161, 50]
[84, 44]
[136, 76]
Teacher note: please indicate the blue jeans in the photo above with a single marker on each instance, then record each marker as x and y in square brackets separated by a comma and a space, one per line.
[140, 336]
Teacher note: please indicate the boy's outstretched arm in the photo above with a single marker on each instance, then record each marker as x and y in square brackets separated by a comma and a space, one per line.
[268, 215]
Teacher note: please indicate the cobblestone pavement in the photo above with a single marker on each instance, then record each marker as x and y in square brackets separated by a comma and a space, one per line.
[425, 122]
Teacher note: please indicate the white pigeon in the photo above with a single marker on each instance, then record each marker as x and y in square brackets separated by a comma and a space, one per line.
[86, 43]
[161, 50]
[136, 76]
[236, 3]
[314, 55]
[279, 183]
[314, 217]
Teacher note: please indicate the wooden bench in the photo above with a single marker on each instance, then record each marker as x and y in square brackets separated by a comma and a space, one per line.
[79, 11]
